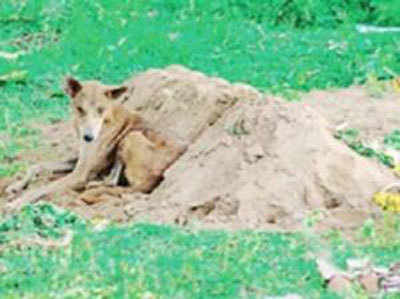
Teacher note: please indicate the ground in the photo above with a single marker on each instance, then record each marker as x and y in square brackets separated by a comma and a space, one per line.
[373, 115]
[354, 107]
[279, 48]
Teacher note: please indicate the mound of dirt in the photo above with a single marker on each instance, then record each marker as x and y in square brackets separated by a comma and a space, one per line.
[267, 164]
[183, 103]
[259, 163]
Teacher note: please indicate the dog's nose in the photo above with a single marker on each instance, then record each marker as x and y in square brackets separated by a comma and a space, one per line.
[87, 137]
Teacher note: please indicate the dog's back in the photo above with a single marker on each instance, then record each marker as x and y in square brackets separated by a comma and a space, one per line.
[145, 153]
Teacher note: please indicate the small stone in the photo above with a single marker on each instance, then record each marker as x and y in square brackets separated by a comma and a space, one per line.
[339, 284]
[357, 264]
[370, 282]
[326, 269]
[254, 153]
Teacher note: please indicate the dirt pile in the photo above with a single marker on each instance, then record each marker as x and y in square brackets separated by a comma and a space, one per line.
[183, 103]
[267, 164]
[252, 161]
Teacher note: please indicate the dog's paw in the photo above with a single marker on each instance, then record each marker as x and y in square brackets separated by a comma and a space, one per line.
[91, 197]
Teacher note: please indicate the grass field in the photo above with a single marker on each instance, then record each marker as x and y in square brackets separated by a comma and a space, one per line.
[140, 260]
[278, 46]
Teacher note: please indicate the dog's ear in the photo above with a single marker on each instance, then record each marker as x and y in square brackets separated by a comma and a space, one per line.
[72, 86]
[115, 93]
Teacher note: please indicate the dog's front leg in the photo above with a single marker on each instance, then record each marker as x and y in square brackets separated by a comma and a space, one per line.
[35, 170]
[73, 180]
[111, 179]
[115, 174]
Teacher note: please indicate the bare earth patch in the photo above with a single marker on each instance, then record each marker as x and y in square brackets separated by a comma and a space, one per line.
[58, 141]
[373, 117]
[259, 163]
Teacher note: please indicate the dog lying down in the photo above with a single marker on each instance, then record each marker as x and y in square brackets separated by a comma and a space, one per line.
[126, 148]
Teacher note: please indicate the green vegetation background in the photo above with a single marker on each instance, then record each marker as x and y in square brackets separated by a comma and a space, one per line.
[279, 46]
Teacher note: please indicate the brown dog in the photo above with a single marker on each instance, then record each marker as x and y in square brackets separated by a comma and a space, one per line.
[142, 154]
[124, 145]
[89, 101]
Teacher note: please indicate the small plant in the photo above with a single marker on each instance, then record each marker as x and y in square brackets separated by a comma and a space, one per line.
[368, 229]
[375, 87]
[239, 128]
[314, 218]
[348, 136]
[43, 220]
[351, 138]
[381, 233]
[393, 140]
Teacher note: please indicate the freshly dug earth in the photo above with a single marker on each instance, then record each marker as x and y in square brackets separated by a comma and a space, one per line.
[374, 117]
[267, 164]
[183, 103]
[261, 163]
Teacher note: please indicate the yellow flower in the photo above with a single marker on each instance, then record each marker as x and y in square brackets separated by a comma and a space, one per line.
[388, 201]
[396, 84]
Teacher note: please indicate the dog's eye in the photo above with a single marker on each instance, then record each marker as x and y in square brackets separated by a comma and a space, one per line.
[81, 111]
[100, 110]
[106, 121]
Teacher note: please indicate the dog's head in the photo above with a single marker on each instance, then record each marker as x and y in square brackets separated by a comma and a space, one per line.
[90, 100]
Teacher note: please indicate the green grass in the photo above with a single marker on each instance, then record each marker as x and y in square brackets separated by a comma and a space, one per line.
[351, 138]
[390, 141]
[168, 262]
[393, 139]
[279, 46]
